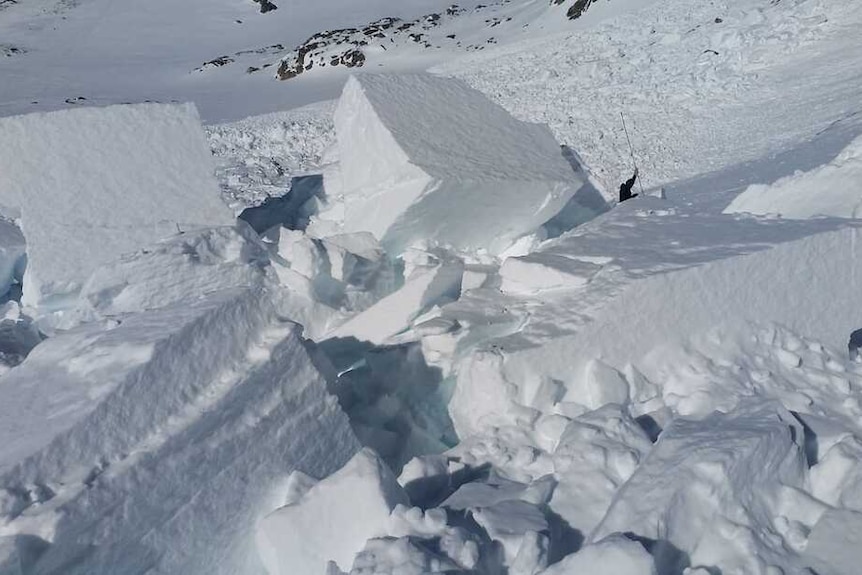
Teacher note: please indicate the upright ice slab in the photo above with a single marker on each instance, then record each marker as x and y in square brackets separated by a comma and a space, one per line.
[94, 183]
[426, 158]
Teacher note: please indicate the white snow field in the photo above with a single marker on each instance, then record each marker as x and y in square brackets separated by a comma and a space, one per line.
[433, 343]
[93, 184]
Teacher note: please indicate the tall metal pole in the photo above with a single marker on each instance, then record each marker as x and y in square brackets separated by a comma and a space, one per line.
[631, 150]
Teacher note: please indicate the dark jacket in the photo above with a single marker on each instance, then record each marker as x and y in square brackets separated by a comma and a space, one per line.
[626, 188]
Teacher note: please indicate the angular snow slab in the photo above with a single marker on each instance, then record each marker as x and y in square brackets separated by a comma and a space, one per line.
[392, 314]
[12, 251]
[178, 269]
[598, 452]
[708, 488]
[615, 554]
[538, 272]
[429, 158]
[95, 183]
[830, 190]
[333, 520]
[833, 546]
[156, 444]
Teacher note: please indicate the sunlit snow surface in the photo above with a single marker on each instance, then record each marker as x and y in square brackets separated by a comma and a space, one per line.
[665, 389]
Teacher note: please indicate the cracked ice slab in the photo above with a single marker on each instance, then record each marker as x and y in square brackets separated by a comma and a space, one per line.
[449, 166]
[94, 183]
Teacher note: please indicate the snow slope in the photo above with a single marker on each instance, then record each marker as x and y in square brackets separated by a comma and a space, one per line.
[691, 78]
[61, 53]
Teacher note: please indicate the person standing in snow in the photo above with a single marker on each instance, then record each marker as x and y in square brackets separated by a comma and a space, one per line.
[626, 187]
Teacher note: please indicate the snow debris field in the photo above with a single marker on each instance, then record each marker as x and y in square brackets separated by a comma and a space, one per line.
[410, 330]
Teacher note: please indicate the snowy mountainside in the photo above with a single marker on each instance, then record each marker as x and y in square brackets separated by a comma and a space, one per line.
[220, 54]
[685, 105]
[395, 43]
[84, 56]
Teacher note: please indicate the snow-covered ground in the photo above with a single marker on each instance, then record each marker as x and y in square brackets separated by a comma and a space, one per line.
[462, 357]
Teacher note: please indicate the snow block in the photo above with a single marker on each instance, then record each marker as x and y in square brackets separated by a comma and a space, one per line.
[333, 520]
[483, 398]
[717, 504]
[450, 167]
[178, 269]
[425, 287]
[829, 190]
[596, 454]
[345, 271]
[94, 183]
[156, 444]
[833, 546]
[603, 385]
[12, 254]
[538, 272]
[615, 554]
[522, 530]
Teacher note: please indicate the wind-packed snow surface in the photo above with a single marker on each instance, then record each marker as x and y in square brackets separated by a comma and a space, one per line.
[93, 184]
[435, 360]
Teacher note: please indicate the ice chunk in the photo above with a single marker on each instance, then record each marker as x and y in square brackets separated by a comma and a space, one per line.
[603, 385]
[450, 166]
[346, 271]
[614, 554]
[483, 398]
[391, 315]
[425, 478]
[833, 546]
[178, 269]
[829, 190]
[412, 521]
[537, 272]
[95, 183]
[333, 520]
[717, 505]
[597, 453]
[837, 477]
[520, 527]
[12, 254]
[405, 556]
